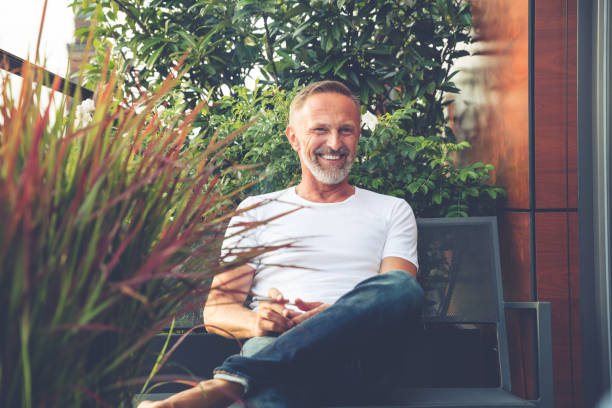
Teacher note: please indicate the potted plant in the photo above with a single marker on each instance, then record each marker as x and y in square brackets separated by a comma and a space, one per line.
[109, 228]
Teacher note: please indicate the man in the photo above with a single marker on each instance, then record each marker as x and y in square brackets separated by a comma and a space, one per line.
[347, 259]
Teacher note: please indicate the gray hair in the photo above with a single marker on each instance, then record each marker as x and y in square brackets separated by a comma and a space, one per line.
[321, 87]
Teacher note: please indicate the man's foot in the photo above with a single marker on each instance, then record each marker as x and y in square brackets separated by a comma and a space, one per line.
[207, 394]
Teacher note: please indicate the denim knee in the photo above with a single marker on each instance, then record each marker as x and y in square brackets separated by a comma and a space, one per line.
[255, 344]
[404, 289]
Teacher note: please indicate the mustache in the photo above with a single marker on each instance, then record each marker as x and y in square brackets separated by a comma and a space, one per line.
[343, 151]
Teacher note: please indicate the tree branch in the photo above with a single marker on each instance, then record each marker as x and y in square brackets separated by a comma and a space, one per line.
[130, 14]
[269, 53]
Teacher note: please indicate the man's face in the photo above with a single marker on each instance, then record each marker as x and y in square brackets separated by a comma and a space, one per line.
[325, 132]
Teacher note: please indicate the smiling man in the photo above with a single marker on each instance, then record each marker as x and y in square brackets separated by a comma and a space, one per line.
[327, 313]
[326, 140]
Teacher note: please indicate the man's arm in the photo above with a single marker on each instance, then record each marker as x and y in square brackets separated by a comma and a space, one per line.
[392, 263]
[224, 313]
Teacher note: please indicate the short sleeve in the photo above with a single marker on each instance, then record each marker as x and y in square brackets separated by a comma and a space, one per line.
[240, 237]
[402, 233]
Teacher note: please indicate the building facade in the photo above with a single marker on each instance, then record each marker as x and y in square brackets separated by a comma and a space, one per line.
[535, 102]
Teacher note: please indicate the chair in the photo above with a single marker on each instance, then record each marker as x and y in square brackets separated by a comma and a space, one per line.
[461, 275]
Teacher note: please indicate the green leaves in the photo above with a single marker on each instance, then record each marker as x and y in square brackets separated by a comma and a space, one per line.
[391, 158]
[422, 170]
[152, 37]
[262, 149]
[388, 52]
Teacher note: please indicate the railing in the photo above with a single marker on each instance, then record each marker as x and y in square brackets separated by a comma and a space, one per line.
[14, 65]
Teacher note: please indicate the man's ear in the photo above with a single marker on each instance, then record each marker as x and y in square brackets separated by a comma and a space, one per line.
[292, 137]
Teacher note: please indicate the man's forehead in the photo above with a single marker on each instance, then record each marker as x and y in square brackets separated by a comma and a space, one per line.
[325, 102]
[326, 118]
[327, 94]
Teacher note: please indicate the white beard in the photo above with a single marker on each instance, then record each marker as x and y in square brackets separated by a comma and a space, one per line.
[332, 174]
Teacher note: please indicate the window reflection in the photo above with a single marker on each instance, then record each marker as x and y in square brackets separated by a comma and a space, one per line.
[492, 111]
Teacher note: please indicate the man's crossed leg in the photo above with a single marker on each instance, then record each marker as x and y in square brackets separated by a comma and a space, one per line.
[370, 321]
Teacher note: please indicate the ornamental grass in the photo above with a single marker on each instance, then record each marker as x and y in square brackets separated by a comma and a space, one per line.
[108, 230]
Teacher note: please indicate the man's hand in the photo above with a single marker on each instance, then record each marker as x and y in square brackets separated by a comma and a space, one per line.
[272, 316]
[310, 309]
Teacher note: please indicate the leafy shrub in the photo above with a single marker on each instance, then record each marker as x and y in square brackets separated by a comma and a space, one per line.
[389, 52]
[397, 56]
[268, 161]
[390, 159]
[422, 170]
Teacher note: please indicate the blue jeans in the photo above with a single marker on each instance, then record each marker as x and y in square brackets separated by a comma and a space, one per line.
[345, 353]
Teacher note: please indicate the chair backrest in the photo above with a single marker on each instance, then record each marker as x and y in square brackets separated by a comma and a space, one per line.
[459, 269]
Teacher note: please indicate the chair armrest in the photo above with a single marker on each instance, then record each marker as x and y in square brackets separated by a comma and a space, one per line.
[544, 349]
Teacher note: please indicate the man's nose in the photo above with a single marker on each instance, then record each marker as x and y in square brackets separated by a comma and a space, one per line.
[333, 140]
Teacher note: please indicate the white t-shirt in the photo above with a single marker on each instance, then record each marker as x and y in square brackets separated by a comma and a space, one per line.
[334, 246]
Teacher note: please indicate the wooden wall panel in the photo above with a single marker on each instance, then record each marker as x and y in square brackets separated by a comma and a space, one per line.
[551, 255]
[521, 336]
[492, 114]
[562, 362]
[572, 109]
[553, 286]
[550, 104]
[515, 255]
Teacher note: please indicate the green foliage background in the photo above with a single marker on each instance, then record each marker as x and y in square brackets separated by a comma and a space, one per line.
[429, 179]
[397, 55]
